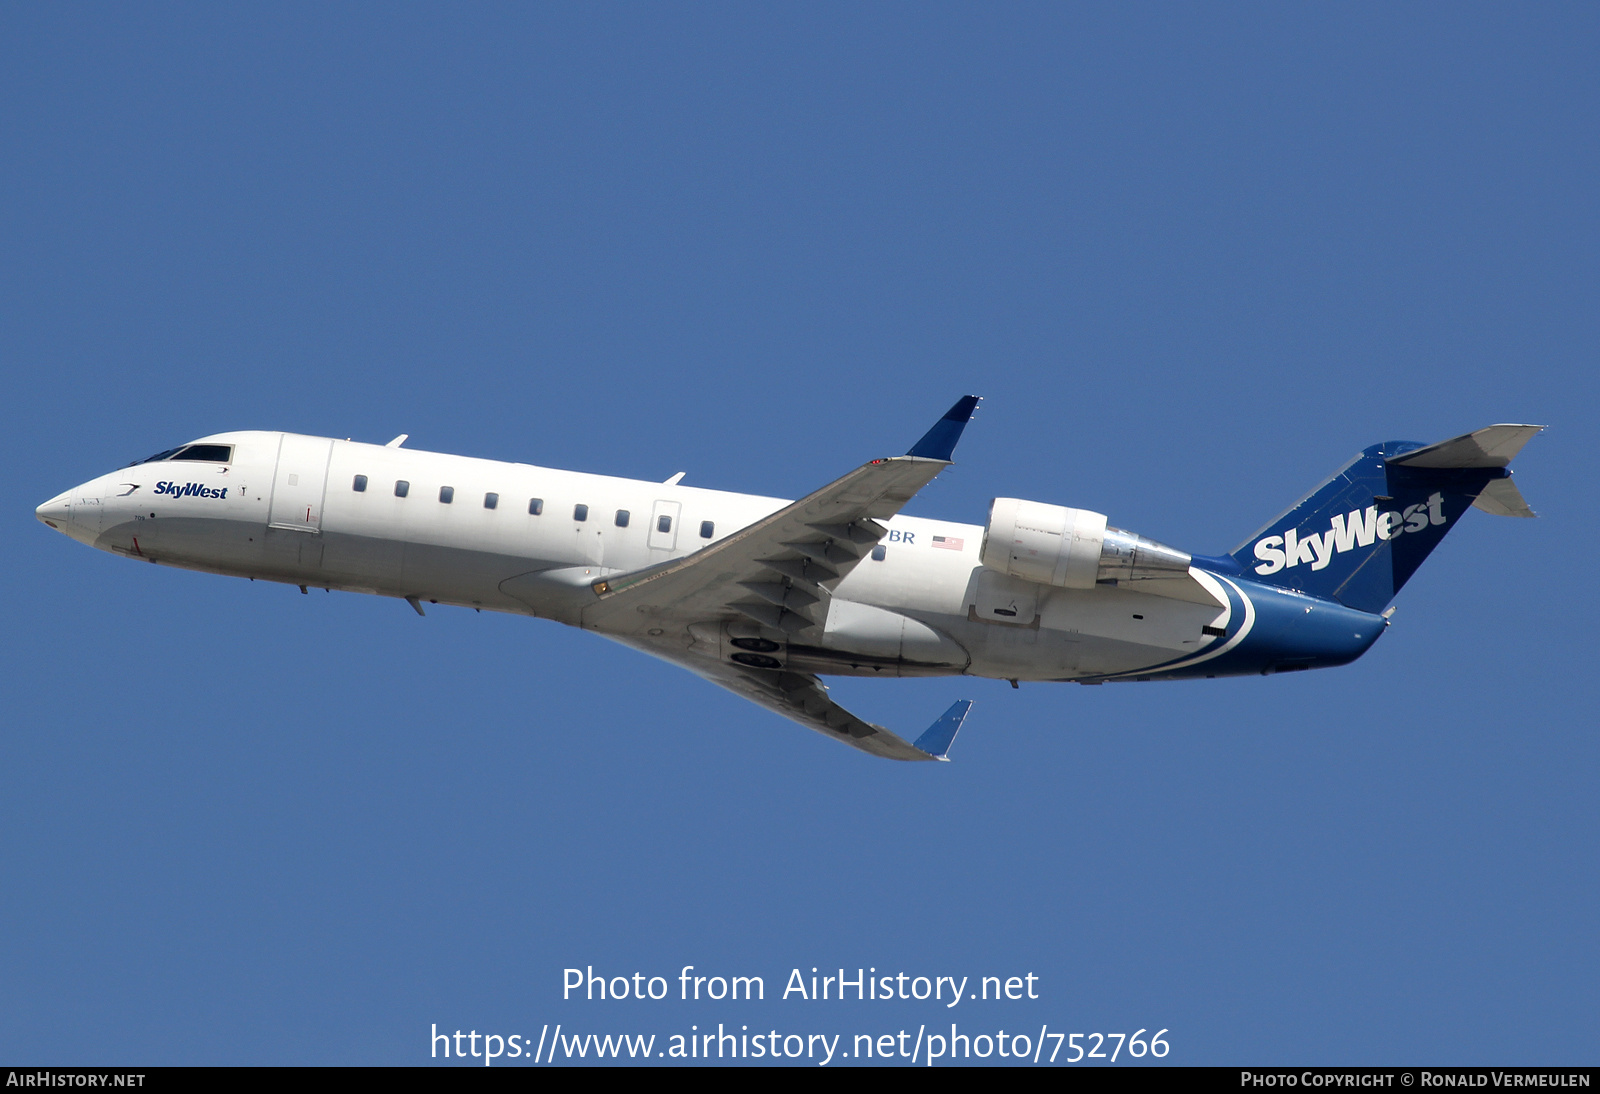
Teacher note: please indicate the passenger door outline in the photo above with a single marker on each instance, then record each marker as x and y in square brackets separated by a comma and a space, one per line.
[668, 540]
[299, 483]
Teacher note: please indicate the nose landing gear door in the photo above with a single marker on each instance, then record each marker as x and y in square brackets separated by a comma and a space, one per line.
[299, 483]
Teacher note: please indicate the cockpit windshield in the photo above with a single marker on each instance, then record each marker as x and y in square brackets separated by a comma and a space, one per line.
[207, 453]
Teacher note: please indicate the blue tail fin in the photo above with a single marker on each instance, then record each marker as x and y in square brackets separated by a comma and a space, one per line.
[1360, 536]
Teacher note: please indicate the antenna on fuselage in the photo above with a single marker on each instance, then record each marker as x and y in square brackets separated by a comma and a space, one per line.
[398, 441]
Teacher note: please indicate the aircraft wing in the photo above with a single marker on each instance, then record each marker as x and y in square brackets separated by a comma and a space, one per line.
[803, 698]
[779, 572]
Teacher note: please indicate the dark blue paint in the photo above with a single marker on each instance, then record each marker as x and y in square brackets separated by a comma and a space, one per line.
[939, 443]
[938, 738]
[1218, 564]
[1366, 578]
[1290, 632]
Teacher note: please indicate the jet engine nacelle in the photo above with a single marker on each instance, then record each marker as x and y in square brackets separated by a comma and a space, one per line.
[1071, 548]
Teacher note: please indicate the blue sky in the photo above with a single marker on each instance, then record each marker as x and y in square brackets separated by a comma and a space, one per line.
[1194, 257]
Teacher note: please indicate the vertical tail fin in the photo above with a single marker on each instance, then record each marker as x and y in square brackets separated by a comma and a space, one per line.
[1359, 536]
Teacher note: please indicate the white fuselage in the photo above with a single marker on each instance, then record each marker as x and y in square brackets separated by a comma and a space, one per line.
[286, 508]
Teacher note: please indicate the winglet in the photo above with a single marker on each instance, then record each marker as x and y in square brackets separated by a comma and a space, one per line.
[941, 735]
[939, 443]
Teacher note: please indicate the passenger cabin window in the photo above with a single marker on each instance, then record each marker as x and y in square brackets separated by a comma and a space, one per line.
[580, 512]
[490, 501]
[401, 488]
[707, 529]
[360, 484]
[622, 518]
[664, 524]
[535, 506]
[447, 494]
[878, 552]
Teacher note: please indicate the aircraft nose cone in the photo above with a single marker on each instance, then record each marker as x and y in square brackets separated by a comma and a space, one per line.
[56, 512]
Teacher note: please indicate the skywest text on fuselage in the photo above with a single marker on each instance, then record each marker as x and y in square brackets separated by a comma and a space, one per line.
[190, 490]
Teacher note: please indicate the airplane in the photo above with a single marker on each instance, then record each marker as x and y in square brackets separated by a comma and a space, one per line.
[763, 596]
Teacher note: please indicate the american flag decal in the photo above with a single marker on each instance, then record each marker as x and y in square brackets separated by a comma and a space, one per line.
[949, 543]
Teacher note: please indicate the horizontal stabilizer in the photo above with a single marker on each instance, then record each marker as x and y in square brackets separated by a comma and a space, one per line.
[1502, 498]
[941, 735]
[1492, 446]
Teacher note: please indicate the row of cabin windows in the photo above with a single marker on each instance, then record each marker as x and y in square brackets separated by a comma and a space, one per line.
[580, 512]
